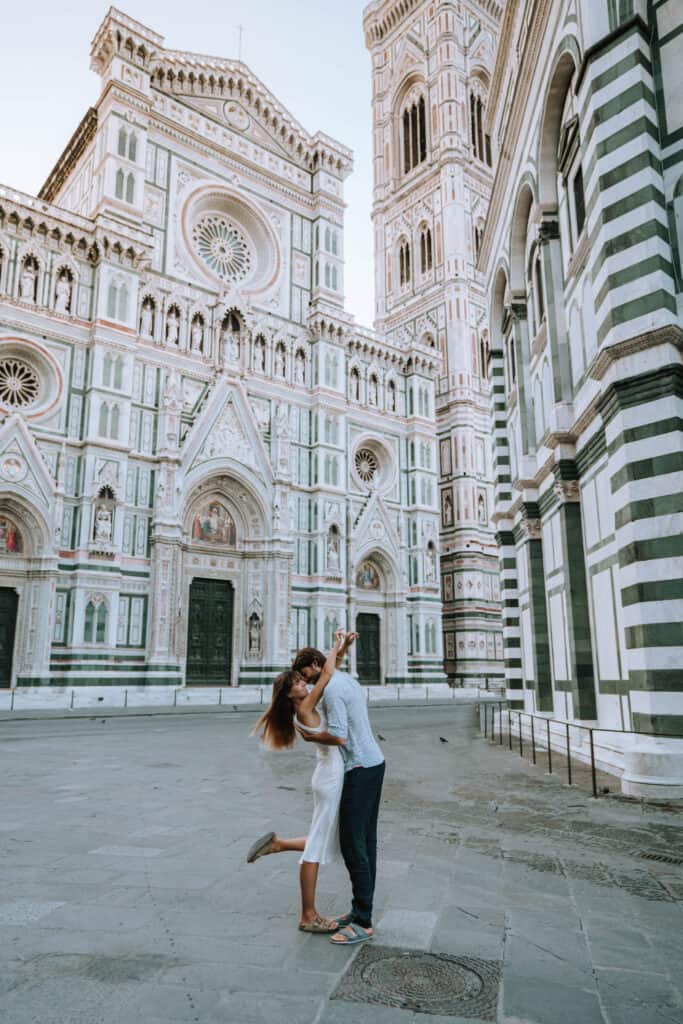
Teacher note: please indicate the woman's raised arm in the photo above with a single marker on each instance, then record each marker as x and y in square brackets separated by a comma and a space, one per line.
[325, 673]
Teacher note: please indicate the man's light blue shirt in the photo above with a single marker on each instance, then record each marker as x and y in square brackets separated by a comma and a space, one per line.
[347, 718]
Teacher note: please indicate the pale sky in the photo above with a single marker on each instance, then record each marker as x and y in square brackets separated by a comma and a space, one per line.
[310, 54]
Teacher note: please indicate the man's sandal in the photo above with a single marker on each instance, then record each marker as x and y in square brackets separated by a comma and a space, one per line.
[320, 926]
[344, 919]
[352, 934]
[261, 847]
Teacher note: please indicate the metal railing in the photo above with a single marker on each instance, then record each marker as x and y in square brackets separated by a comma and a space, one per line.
[495, 716]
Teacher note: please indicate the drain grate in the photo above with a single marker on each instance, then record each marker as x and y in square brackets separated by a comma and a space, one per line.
[663, 858]
[438, 984]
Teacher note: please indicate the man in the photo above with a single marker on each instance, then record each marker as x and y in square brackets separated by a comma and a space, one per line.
[348, 726]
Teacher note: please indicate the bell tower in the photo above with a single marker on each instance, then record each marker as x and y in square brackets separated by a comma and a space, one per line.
[432, 160]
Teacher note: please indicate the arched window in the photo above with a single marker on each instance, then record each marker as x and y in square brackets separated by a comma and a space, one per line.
[130, 188]
[572, 200]
[123, 303]
[328, 240]
[404, 263]
[354, 378]
[328, 275]
[426, 258]
[391, 396]
[334, 243]
[118, 373]
[112, 296]
[132, 147]
[114, 423]
[123, 135]
[484, 358]
[120, 184]
[414, 132]
[106, 370]
[103, 422]
[335, 279]
[95, 629]
[481, 142]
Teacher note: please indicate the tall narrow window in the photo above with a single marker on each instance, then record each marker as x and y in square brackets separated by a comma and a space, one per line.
[122, 142]
[132, 148]
[406, 142]
[120, 184]
[130, 189]
[480, 135]
[422, 130]
[579, 200]
[414, 143]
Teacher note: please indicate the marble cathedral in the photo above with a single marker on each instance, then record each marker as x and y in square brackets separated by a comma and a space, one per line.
[204, 461]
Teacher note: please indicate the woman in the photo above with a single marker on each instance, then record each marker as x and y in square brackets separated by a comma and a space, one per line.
[293, 707]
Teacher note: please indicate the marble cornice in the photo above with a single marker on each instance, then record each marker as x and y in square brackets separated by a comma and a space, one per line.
[509, 143]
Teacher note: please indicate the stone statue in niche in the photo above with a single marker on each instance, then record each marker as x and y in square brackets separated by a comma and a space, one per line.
[63, 293]
[254, 633]
[147, 319]
[197, 335]
[431, 564]
[172, 326]
[279, 361]
[103, 525]
[481, 509]
[372, 391]
[300, 368]
[27, 283]
[333, 552]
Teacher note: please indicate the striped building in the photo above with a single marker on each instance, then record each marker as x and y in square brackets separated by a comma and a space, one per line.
[582, 257]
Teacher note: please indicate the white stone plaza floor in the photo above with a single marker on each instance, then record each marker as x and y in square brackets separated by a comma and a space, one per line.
[126, 898]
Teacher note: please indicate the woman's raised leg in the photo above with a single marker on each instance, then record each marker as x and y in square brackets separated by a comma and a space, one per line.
[288, 845]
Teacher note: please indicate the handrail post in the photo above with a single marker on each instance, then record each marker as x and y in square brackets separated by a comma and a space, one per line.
[595, 781]
[521, 749]
[500, 723]
[550, 756]
[510, 728]
[569, 757]
[533, 740]
[486, 721]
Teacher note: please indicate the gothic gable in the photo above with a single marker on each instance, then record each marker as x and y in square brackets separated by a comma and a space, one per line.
[374, 529]
[22, 467]
[225, 431]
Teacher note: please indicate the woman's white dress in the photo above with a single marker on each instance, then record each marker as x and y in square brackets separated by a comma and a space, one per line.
[322, 843]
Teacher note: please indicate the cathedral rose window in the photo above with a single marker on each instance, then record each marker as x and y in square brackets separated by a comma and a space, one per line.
[19, 383]
[222, 246]
[367, 464]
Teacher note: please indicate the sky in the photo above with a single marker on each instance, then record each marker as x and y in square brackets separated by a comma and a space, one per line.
[310, 54]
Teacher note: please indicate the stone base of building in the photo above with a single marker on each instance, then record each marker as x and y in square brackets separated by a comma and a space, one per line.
[653, 768]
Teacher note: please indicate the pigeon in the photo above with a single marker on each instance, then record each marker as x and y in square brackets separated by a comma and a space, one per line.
[379, 736]
[443, 739]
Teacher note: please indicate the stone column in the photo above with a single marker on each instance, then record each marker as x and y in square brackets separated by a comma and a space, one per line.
[530, 548]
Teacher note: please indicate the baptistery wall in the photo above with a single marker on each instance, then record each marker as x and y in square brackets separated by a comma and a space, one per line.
[204, 462]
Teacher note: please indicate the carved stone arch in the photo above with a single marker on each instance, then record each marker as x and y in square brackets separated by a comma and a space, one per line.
[248, 502]
[525, 202]
[385, 563]
[109, 478]
[65, 262]
[564, 65]
[29, 520]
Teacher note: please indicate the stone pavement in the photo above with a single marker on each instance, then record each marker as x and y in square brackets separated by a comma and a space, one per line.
[126, 899]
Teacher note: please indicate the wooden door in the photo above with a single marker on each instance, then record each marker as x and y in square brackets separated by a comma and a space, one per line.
[209, 633]
[8, 621]
[368, 661]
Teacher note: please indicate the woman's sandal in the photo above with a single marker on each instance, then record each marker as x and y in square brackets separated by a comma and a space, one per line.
[261, 847]
[352, 934]
[320, 926]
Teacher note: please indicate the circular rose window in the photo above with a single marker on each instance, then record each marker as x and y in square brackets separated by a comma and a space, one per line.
[366, 464]
[222, 246]
[19, 383]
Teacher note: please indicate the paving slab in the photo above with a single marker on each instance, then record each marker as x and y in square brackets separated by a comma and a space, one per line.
[126, 896]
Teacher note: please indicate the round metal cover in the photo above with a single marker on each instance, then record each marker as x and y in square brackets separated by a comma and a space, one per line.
[422, 982]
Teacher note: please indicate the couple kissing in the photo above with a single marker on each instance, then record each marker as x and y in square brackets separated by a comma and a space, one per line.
[327, 707]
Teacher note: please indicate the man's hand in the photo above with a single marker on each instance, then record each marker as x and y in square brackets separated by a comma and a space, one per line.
[305, 735]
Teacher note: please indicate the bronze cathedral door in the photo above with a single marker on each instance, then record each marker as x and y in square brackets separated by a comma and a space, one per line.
[8, 622]
[368, 662]
[209, 633]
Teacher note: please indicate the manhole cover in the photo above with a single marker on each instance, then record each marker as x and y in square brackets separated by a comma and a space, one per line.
[461, 986]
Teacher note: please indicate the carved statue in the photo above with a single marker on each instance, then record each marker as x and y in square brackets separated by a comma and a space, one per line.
[431, 564]
[103, 524]
[300, 368]
[27, 283]
[332, 552]
[197, 335]
[254, 634]
[279, 361]
[147, 319]
[172, 326]
[481, 509]
[372, 391]
[63, 294]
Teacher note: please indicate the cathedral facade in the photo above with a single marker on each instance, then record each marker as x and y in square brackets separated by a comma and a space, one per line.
[204, 462]
[431, 65]
[582, 256]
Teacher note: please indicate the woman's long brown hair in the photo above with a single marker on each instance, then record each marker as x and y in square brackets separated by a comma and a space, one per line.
[277, 722]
